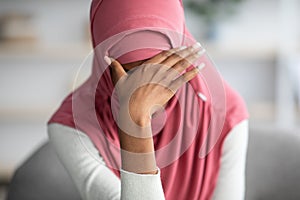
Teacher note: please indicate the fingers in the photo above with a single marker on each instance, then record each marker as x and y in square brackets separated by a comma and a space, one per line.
[182, 64]
[163, 55]
[178, 58]
[177, 83]
[181, 54]
[117, 69]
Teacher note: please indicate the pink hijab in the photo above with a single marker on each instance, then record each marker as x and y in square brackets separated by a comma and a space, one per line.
[188, 136]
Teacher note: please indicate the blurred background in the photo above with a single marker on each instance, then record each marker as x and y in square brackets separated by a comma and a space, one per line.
[255, 44]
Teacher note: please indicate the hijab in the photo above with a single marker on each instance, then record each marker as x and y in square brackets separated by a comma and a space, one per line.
[189, 133]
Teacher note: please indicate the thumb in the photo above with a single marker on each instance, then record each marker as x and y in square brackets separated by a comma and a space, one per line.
[117, 70]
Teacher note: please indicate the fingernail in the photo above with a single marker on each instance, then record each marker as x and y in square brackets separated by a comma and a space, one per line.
[202, 96]
[201, 66]
[200, 53]
[181, 48]
[196, 45]
[107, 60]
[177, 49]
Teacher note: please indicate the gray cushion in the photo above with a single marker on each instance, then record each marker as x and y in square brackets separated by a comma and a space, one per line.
[273, 165]
[273, 171]
[42, 177]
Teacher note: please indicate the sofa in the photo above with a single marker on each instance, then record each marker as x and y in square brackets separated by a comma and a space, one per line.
[272, 171]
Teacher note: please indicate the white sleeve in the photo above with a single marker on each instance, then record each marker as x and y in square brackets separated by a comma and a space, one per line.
[93, 179]
[231, 180]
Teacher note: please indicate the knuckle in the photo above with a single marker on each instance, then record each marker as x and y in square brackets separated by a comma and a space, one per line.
[172, 59]
[185, 78]
[182, 63]
[191, 74]
[176, 56]
[166, 53]
[188, 51]
[173, 88]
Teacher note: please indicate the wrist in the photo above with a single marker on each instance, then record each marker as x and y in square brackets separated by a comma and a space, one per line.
[142, 120]
[138, 116]
[141, 162]
[136, 125]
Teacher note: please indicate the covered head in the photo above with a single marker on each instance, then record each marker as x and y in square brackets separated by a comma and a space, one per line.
[145, 28]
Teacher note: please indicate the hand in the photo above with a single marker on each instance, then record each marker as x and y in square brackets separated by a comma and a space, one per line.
[140, 92]
[148, 87]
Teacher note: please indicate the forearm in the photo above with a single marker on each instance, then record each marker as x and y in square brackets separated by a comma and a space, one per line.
[93, 179]
[137, 154]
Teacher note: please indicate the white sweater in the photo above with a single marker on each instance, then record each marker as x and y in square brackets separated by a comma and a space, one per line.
[95, 181]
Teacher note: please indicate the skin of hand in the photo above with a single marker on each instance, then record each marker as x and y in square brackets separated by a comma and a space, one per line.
[163, 77]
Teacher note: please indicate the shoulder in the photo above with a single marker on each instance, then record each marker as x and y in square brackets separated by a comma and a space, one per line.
[236, 109]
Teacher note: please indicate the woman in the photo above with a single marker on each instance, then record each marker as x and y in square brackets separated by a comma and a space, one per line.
[146, 124]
